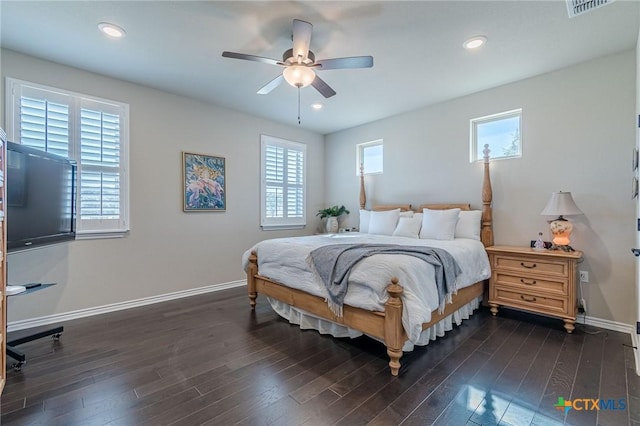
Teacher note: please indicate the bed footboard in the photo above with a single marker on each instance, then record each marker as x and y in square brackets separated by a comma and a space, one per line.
[385, 326]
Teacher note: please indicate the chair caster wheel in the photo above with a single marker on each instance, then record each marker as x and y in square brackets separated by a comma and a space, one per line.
[17, 367]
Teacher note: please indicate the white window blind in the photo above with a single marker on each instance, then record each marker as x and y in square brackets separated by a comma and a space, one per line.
[91, 131]
[283, 171]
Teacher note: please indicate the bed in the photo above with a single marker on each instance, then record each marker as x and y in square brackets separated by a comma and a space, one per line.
[397, 312]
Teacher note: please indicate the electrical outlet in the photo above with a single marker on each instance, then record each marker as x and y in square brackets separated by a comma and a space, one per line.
[584, 276]
[582, 305]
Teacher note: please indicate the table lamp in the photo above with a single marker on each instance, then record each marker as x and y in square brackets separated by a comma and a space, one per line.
[561, 204]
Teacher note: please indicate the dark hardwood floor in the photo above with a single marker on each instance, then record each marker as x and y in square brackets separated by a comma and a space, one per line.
[209, 360]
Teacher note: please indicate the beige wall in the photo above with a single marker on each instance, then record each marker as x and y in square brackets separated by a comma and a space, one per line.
[577, 134]
[167, 250]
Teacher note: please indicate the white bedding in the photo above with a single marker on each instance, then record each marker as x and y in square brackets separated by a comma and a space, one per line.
[285, 260]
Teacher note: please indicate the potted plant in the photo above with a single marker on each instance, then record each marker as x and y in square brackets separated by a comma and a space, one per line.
[332, 213]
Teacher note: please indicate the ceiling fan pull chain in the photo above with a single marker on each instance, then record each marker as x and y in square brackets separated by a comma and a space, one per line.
[298, 105]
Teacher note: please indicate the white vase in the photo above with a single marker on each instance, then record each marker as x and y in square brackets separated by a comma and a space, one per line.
[332, 225]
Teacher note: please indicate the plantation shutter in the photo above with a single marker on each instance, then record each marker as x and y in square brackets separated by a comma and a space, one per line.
[100, 167]
[283, 183]
[93, 133]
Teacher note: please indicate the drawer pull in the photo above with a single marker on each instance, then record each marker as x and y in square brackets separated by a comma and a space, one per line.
[533, 282]
[533, 265]
[527, 299]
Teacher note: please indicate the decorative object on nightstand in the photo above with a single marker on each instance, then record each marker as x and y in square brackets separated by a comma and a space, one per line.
[561, 204]
[539, 244]
[543, 282]
[332, 213]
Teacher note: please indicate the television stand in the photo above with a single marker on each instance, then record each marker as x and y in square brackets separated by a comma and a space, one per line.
[16, 338]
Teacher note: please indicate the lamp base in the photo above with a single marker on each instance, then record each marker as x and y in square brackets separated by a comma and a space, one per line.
[561, 229]
[560, 247]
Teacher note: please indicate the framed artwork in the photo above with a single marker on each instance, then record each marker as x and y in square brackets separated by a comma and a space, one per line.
[203, 182]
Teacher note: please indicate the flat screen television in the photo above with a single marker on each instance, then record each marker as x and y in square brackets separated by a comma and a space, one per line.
[41, 197]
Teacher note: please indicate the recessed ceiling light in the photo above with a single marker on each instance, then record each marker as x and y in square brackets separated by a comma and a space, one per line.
[317, 106]
[112, 30]
[474, 42]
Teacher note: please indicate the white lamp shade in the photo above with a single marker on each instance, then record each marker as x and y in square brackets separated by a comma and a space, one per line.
[299, 75]
[561, 204]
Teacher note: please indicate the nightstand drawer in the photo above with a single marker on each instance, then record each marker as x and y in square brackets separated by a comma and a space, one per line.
[526, 283]
[531, 265]
[534, 302]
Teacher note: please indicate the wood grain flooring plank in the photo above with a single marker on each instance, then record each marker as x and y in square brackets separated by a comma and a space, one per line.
[500, 347]
[286, 411]
[255, 394]
[433, 406]
[526, 400]
[499, 396]
[406, 393]
[613, 381]
[587, 381]
[367, 411]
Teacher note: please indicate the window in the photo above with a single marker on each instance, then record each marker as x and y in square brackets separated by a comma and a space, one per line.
[91, 131]
[501, 132]
[369, 156]
[283, 171]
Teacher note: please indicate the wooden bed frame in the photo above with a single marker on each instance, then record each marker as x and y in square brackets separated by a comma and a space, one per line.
[387, 325]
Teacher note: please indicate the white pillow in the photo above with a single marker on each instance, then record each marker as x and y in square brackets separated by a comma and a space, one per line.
[364, 221]
[408, 227]
[469, 224]
[383, 223]
[439, 224]
[408, 213]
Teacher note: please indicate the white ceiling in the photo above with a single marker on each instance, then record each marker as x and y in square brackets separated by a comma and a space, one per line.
[176, 46]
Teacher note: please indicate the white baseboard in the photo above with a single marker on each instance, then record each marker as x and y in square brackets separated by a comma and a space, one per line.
[82, 313]
[602, 323]
[634, 343]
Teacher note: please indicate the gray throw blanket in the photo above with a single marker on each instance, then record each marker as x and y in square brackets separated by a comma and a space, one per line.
[334, 262]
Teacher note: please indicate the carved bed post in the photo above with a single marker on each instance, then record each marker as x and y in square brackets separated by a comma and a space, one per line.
[252, 270]
[363, 195]
[394, 334]
[486, 234]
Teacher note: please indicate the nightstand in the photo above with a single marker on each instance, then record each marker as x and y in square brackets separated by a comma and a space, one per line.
[543, 282]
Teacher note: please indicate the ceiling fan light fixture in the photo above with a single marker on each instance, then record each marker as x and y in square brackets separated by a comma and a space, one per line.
[299, 75]
[111, 30]
[474, 42]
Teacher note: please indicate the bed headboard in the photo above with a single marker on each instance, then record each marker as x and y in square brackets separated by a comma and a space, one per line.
[486, 226]
[384, 207]
[443, 207]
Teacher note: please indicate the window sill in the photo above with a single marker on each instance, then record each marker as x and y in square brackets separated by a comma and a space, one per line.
[281, 227]
[96, 235]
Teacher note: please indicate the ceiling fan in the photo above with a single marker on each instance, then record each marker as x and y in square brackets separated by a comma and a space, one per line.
[300, 63]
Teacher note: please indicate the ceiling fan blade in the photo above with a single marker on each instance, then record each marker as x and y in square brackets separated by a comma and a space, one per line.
[322, 87]
[271, 85]
[301, 38]
[254, 58]
[350, 62]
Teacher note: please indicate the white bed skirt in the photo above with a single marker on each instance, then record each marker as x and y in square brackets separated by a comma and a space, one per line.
[306, 321]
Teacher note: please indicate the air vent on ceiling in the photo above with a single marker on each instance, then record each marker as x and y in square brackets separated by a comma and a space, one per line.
[578, 7]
